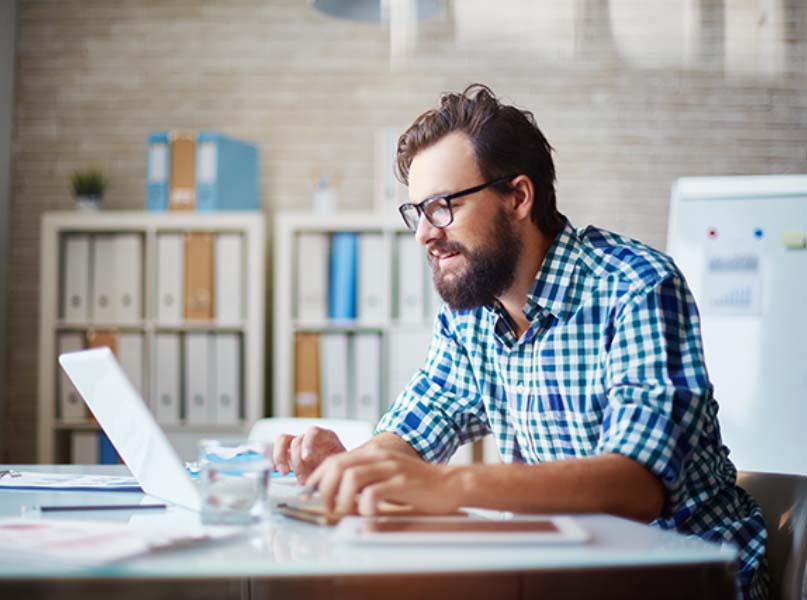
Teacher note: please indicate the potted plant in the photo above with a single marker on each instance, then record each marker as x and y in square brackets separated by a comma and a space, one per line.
[88, 188]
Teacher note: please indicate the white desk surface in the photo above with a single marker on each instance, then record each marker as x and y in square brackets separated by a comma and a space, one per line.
[282, 548]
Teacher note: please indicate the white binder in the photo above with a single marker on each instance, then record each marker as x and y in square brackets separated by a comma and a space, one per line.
[435, 300]
[312, 276]
[373, 281]
[228, 279]
[197, 378]
[170, 278]
[226, 398]
[411, 280]
[84, 447]
[333, 364]
[104, 278]
[76, 279]
[366, 362]
[71, 405]
[130, 357]
[388, 192]
[408, 350]
[165, 401]
[128, 298]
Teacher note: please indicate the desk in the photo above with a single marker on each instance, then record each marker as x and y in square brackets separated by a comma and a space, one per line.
[284, 558]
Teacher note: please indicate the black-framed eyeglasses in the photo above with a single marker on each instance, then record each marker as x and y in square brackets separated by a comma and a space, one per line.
[438, 209]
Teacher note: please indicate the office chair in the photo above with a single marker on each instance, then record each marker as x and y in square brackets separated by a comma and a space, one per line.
[783, 500]
[352, 433]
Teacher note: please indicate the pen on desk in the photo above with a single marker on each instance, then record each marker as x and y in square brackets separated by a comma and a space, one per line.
[86, 507]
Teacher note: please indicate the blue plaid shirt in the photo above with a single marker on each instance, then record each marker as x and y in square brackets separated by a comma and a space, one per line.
[611, 362]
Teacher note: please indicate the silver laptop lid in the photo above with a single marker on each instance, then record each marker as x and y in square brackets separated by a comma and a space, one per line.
[130, 426]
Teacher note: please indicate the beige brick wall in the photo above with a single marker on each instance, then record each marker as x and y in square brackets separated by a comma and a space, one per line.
[630, 102]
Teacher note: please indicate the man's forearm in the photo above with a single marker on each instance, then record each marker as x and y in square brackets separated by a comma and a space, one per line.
[389, 441]
[608, 483]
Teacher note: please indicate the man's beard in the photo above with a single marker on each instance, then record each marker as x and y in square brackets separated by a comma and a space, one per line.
[489, 272]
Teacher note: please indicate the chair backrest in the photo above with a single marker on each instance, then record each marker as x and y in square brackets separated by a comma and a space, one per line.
[783, 500]
[352, 433]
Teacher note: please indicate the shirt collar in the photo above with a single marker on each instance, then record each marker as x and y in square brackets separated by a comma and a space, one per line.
[554, 288]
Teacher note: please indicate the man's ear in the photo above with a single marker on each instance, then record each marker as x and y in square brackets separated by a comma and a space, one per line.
[523, 195]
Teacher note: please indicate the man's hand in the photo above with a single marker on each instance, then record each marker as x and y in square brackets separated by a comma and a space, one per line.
[303, 453]
[361, 479]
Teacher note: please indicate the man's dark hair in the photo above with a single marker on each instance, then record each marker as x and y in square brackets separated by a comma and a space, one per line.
[506, 140]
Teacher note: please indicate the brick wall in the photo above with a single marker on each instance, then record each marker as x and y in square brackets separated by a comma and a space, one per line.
[632, 94]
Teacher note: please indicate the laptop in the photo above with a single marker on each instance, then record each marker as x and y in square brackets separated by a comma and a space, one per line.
[130, 426]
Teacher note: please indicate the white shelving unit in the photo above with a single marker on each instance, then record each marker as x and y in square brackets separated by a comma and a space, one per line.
[288, 226]
[54, 432]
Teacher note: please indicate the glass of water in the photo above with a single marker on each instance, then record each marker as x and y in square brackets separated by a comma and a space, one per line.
[234, 481]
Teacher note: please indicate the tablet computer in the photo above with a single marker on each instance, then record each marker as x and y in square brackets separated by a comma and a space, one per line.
[460, 530]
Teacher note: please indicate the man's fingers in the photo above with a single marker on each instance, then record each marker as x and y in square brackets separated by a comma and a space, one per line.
[357, 478]
[280, 453]
[296, 459]
[393, 489]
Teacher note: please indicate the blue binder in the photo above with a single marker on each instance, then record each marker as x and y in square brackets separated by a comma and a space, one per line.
[158, 170]
[107, 455]
[226, 173]
[342, 276]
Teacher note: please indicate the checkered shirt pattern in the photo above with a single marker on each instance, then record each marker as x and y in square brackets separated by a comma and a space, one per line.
[612, 362]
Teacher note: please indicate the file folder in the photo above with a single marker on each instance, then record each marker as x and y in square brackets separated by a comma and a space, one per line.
[226, 173]
[229, 278]
[199, 276]
[334, 372]
[170, 278]
[166, 368]
[130, 356]
[76, 278]
[342, 276]
[307, 400]
[312, 276]
[128, 298]
[411, 280]
[84, 447]
[227, 395]
[373, 283]
[104, 278]
[198, 371]
[408, 350]
[182, 179]
[157, 169]
[71, 406]
[366, 362]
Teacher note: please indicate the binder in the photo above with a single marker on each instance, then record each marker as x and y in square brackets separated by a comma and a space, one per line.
[130, 357]
[228, 281]
[408, 350]
[182, 177]
[98, 338]
[312, 276]
[107, 455]
[388, 192]
[373, 283]
[84, 447]
[334, 373]
[128, 297]
[170, 278]
[307, 399]
[434, 298]
[104, 278]
[166, 369]
[226, 173]
[411, 280]
[71, 406]
[76, 278]
[157, 169]
[226, 397]
[366, 363]
[342, 276]
[197, 378]
[199, 276]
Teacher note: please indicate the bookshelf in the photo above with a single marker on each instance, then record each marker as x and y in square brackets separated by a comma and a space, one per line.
[397, 337]
[237, 334]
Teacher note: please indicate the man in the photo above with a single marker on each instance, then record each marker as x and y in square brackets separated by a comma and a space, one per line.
[579, 350]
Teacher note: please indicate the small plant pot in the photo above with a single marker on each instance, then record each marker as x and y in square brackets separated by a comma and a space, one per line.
[87, 203]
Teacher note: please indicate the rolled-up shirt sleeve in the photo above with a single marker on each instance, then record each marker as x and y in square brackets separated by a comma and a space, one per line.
[440, 409]
[656, 384]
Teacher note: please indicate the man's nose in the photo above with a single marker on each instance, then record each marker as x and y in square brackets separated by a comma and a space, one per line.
[425, 231]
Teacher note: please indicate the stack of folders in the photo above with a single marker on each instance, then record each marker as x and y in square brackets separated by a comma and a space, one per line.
[204, 171]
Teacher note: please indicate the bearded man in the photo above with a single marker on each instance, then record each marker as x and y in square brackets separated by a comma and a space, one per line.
[579, 350]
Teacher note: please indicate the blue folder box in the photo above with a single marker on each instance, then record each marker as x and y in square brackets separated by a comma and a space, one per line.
[226, 173]
[158, 170]
[342, 276]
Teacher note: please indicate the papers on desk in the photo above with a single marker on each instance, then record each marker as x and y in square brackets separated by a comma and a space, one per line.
[86, 543]
[33, 480]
